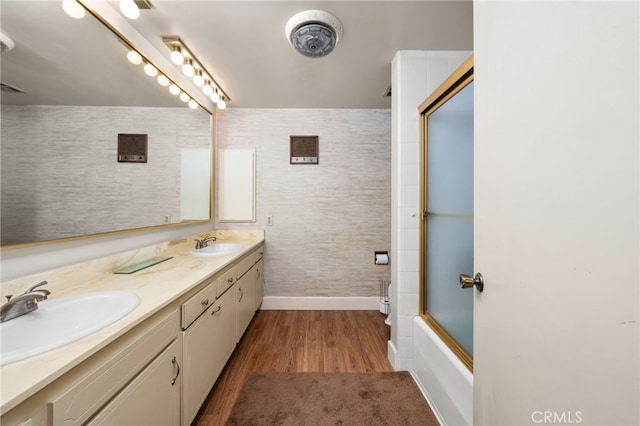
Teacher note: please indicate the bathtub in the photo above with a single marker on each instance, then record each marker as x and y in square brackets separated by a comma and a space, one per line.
[445, 381]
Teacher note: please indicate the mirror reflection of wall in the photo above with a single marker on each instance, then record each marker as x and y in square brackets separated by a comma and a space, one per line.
[59, 171]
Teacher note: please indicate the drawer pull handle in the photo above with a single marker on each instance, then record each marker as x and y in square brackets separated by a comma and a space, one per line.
[241, 294]
[230, 280]
[213, 311]
[205, 302]
[174, 361]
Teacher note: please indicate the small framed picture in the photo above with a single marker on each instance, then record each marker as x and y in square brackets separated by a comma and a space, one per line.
[303, 149]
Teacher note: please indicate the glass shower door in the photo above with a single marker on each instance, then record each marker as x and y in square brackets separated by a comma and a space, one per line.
[448, 220]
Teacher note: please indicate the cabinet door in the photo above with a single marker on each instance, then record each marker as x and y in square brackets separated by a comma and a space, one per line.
[152, 398]
[208, 344]
[259, 284]
[246, 292]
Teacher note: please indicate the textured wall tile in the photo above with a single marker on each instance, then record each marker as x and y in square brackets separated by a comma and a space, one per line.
[328, 218]
[60, 175]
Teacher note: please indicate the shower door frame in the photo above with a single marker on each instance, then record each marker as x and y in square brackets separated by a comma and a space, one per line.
[457, 81]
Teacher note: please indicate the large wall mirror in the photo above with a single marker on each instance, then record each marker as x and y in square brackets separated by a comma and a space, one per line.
[68, 91]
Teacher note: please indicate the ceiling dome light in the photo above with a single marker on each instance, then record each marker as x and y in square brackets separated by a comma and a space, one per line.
[187, 68]
[198, 79]
[129, 9]
[175, 90]
[150, 70]
[163, 80]
[193, 104]
[134, 57]
[176, 56]
[314, 33]
[73, 8]
[6, 44]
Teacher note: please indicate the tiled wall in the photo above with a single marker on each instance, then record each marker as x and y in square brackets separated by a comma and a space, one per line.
[59, 162]
[328, 218]
[415, 74]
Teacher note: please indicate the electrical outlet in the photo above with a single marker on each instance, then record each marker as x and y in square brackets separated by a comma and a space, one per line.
[270, 220]
[167, 218]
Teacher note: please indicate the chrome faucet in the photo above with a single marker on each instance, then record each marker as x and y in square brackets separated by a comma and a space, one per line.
[23, 303]
[204, 242]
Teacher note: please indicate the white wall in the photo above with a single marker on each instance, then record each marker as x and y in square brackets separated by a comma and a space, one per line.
[558, 177]
[329, 218]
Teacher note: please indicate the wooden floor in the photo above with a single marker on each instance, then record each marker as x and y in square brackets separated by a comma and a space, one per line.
[299, 341]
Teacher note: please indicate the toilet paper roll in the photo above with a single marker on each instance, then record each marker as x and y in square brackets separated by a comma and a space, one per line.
[382, 259]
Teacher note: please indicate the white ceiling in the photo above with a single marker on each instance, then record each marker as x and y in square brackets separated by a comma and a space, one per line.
[243, 45]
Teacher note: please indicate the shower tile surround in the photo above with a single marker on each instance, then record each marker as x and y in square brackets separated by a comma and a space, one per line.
[329, 218]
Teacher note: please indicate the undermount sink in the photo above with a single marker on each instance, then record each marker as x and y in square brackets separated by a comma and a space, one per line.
[60, 321]
[217, 249]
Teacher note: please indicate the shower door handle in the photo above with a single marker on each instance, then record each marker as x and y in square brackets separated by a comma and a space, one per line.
[467, 281]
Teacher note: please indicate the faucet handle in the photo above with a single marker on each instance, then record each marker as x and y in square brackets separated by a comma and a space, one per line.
[40, 284]
[9, 297]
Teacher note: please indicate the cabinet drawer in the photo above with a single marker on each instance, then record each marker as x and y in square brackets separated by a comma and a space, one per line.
[258, 254]
[244, 265]
[192, 308]
[226, 280]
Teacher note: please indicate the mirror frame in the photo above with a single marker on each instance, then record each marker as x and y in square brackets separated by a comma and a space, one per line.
[123, 39]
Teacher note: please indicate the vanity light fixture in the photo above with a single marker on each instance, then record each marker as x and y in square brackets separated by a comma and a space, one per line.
[150, 70]
[192, 67]
[193, 104]
[129, 9]
[188, 68]
[184, 97]
[73, 8]
[207, 89]
[134, 57]
[198, 79]
[176, 56]
[163, 80]
[174, 90]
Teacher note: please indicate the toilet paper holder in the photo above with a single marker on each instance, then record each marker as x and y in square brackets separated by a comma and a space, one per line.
[380, 257]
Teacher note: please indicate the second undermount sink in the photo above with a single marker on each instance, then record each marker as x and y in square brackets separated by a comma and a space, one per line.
[217, 249]
[61, 321]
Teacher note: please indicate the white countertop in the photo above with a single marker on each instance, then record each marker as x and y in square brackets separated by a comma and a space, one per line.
[156, 287]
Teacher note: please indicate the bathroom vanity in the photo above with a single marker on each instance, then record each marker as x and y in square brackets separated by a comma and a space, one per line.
[157, 364]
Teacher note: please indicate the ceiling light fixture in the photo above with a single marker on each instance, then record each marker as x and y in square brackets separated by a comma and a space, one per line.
[314, 33]
[192, 67]
[129, 9]
[73, 8]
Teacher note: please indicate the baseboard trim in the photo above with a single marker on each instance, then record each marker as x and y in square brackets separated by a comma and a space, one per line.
[272, 303]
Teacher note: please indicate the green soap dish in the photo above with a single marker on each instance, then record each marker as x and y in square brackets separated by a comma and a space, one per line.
[142, 265]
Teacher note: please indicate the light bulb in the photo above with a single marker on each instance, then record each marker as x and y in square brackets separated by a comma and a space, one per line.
[129, 9]
[193, 104]
[73, 8]
[163, 80]
[215, 97]
[134, 57]
[188, 68]
[150, 70]
[207, 89]
[184, 97]
[176, 56]
[198, 79]
[175, 90]
[221, 104]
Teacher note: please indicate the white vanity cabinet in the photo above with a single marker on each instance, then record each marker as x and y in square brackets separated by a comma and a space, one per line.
[259, 281]
[208, 344]
[153, 398]
[249, 290]
[137, 380]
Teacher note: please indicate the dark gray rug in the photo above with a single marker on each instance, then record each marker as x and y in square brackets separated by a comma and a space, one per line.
[390, 398]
